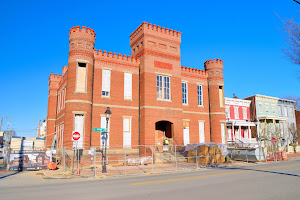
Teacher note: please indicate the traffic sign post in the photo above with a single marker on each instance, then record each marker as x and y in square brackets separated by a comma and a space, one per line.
[274, 140]
[75, 137]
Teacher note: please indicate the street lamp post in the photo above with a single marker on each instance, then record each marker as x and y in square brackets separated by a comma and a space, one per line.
[107, 115]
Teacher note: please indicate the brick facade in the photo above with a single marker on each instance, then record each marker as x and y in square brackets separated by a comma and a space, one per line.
[155, 52]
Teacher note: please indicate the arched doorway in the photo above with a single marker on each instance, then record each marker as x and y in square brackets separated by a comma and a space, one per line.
[163, 129]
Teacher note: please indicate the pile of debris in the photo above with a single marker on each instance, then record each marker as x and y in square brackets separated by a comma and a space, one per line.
[206, 153]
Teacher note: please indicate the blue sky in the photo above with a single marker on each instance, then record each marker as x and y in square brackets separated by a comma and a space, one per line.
[246, 35]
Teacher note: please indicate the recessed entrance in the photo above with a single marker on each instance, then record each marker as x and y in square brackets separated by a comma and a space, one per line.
[163, 130]
[165, 127]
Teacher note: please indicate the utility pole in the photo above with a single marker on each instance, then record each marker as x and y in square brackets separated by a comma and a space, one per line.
[38, 133]
[7, 124]
[1, 123]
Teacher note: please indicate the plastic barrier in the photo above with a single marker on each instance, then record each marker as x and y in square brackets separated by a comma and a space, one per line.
[51, 165]
[278, 156]
[284, 155]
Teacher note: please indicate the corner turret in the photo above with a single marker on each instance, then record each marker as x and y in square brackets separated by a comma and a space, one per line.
[81, 40]
[215, 81]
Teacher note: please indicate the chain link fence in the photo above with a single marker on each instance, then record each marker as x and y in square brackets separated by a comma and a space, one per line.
[138, 160]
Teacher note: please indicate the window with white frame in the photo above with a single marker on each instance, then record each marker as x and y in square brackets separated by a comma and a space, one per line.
[260, 107]
[236, 113]
[58, 103]
[127, 132]
[81, 77]
[199, 93]
[61, 100]
[279, 111]
[273, 108]
[291, 112]
[201, 132]
[267, 108]
[106, 75]
[227, 111]
[186, 132]
[184, 93]
[127, 86]
[285, 112]
[79, 127]
[221, 95]
[244, 113]
[223, 133]
[281, 129]
[163, 87]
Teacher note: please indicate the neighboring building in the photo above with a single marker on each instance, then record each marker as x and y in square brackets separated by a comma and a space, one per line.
[274, 115]
[238, 120]
[264, 110]
[1, 139]
[286, 110]
[148, 92]
[42, 129]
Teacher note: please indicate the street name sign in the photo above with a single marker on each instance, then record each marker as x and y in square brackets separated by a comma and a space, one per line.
[99, 129]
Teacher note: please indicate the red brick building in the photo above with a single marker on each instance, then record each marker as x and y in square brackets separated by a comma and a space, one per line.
[148, 93]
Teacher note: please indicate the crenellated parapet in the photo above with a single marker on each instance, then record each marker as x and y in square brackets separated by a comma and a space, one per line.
[85, 33]
[55, 77]
[213, 61]
[215, 70]
[82, 41]
[54, 81]
[155, 30]
[116, 58]
[192, 72]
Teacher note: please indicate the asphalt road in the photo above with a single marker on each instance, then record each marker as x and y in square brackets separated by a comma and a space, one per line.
[271, 181]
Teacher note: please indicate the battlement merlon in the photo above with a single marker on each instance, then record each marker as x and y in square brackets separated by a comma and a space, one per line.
[155, 30]
[82, 33]
[114, 57]
[193, 71]
[54, 81]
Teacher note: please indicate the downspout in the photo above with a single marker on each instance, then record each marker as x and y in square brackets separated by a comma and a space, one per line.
[209, 109]
[139, 104]
[92, 104]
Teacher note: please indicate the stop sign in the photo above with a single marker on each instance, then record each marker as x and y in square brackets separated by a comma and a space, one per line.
[273, 140]
[76, 136]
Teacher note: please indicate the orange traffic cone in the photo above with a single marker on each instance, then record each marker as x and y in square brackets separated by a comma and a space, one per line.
[78, 171]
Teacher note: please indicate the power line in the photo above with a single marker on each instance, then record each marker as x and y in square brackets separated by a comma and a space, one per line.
[297, 1]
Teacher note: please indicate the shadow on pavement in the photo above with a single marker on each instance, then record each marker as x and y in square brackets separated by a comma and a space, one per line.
[8, 174]
[258, 170]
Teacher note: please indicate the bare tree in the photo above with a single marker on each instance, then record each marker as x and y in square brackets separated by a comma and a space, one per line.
[295, 98]
[292, 29]
[294, 135]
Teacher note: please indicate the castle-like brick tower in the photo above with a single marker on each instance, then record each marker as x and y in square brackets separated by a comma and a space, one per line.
[151, 96]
